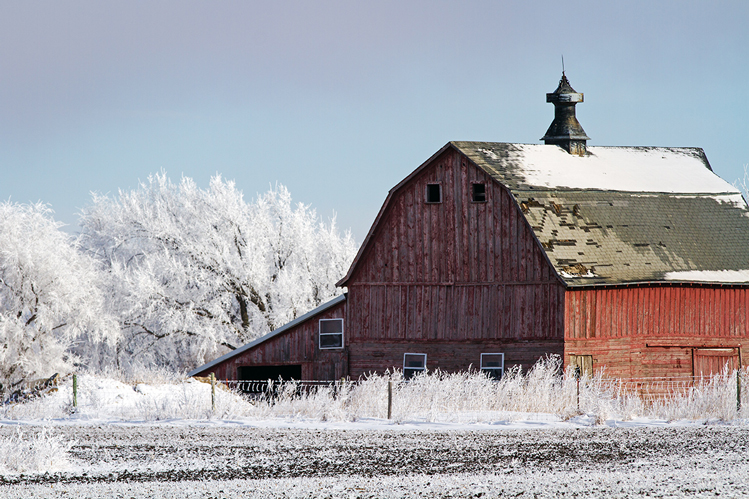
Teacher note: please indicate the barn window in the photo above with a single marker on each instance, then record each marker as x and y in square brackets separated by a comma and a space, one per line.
[493, 364]
[434, 193]
[331, 333]
[478, 193]
[413, 364]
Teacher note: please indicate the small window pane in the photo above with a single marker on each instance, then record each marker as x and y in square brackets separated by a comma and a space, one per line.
[415, 360]
[478, 193]
[331, 326]
[434, 193]
[493, 373]
[492, 360]
[331, 340]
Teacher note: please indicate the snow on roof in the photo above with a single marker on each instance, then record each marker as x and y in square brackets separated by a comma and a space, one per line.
[722, 276]
[632, 169]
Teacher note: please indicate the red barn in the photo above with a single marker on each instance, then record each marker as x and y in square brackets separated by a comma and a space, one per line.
[491, 255]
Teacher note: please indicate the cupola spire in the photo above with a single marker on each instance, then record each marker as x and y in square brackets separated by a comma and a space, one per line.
[565, 130]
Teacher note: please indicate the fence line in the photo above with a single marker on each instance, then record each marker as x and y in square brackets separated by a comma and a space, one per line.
[544, 389]
[647, 388]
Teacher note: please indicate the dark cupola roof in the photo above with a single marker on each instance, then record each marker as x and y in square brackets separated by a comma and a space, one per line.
[565, 130]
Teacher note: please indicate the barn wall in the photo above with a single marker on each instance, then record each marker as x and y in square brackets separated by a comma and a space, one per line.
[460, 312]
[450, 356]
[452, 279]
[654, 330]
[298, 345]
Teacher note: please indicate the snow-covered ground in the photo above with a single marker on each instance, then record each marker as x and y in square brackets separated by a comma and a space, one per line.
[176, 459]
[450, 436]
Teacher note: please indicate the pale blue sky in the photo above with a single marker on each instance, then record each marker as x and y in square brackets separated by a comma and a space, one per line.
[339, 100]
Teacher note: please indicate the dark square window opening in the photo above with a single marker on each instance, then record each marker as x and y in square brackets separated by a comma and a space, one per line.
[434, 193]
[478, 193]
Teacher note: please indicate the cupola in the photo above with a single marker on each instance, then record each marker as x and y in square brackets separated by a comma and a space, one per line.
[565, 130]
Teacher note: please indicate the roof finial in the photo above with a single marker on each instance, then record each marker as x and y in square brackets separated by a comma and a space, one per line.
[562, 64]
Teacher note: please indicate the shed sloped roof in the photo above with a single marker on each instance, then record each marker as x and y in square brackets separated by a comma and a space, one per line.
[286, 327]
[625, 214]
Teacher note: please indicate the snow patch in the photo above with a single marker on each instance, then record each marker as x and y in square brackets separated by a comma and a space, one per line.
[488, 152]
[568, 275]
[635, 169]
[709, 275]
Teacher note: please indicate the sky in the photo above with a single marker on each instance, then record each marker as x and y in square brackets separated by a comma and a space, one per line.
[340, 100]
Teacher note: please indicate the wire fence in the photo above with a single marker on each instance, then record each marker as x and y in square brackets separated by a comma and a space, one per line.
[648, 389]
[269, 388]
[434, 395]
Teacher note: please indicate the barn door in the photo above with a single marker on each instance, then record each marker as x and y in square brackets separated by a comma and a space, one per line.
[584, 362]
[711, 361]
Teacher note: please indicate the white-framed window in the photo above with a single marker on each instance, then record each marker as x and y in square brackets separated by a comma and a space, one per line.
[434, 193]
[331, 334]
[413, 364]
[493, 364]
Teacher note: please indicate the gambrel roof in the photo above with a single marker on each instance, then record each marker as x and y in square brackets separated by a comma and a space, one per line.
[620, 215]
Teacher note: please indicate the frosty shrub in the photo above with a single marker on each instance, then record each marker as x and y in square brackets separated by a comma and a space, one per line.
[49, 296]
[192, 273]
[36, 453]
[710, 398]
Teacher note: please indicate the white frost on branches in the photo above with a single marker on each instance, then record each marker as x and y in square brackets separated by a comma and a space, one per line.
[49, 295]
[743, 184]
[194, 272]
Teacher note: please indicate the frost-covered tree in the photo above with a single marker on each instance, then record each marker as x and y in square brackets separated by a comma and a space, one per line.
[49, 295]
[743, 184]
[195, 272]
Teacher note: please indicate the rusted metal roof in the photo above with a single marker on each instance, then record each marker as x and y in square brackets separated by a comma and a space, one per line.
[597, 230]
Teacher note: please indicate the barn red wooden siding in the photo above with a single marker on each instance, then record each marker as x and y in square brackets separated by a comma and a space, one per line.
[298, 345]
[658, 330]
[452, 279]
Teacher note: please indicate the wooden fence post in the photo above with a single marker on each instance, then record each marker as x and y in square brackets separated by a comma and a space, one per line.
[738, 391]
[213, 392]
[75, 390]
[390, 399]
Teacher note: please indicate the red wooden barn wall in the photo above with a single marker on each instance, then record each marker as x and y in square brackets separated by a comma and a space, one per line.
[657, 330]
[298, 345]
[452, 279]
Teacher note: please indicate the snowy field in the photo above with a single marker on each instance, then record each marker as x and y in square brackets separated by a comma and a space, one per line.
[234, 459]
[449, 436]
